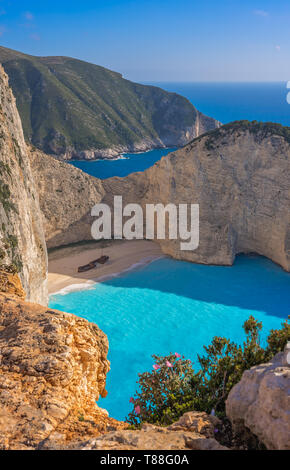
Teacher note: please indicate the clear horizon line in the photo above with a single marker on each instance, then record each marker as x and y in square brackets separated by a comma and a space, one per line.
[214, 81]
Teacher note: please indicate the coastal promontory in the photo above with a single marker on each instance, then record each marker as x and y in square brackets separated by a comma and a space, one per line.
[238, 175]
[77, 110]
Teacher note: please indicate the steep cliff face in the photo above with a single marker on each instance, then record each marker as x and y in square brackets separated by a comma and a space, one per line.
[259, 403]
[53, 369]
[66, 196]
[238, 175]
[74, 109]
[22, 240]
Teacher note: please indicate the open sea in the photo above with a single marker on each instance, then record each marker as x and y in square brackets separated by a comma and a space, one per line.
[228, 102]
[173, 306]
[225, 102]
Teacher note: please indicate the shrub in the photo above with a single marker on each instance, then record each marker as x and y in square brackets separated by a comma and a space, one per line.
[8, 268]
[173, 387]
[166, 393]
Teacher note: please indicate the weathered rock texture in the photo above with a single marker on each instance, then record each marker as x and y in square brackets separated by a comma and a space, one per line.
[238, 174]
[66, 196]
[22, 240]
[74, 109]
[53, 368]
[193, 431]
[260, 402]
[11, 284]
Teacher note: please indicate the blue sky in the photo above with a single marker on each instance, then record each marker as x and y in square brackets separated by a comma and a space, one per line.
[158, 40]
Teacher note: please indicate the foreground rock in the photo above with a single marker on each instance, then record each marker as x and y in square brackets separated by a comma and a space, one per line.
[260, 402]
[53, 368]
[22, 240]
[193, 431]
[10, 283]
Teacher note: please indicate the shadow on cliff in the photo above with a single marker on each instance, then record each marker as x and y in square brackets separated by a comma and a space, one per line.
[253, 283]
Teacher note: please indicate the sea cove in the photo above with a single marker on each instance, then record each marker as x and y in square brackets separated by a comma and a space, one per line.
[144, 297]
[226, 102]
[170, 306]
[123, 165]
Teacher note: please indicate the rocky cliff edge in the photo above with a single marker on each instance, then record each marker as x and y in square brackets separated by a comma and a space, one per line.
[237, 174]
[22, 242]
[53, 368]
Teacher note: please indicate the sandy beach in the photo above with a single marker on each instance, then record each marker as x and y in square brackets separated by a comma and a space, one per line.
[124, 255]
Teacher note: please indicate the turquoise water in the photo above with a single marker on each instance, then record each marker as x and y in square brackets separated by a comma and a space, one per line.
[128, 163]
[174, 306]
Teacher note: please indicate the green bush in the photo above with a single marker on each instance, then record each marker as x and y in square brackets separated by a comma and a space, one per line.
[5, 196]
[173, 387]
[8, 268]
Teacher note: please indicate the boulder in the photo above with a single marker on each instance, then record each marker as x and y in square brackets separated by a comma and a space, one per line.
[260, 402]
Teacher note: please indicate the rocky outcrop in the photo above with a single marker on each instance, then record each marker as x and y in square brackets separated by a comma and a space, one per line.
[10, 283]
[260, 402]
[238, 175]
[77, 110]
[193, 431]
[22, 240]
[66, 195]
[53, 368]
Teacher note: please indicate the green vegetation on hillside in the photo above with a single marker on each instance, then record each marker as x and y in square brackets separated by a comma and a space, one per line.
[68, 104]
[261, 128]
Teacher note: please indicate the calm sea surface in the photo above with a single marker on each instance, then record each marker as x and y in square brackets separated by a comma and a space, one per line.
[172, 306]
[228, 102]
[175, 306]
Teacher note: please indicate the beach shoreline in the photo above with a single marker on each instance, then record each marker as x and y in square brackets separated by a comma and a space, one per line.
[124, 256]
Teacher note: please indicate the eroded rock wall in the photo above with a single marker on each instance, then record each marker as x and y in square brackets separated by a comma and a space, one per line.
[238, 175]
[22, 241]
[53, 368]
